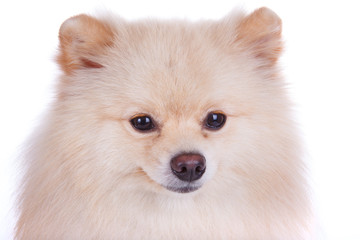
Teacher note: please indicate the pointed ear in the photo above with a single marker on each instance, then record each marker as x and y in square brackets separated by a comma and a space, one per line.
[82, 40]
[261, 33]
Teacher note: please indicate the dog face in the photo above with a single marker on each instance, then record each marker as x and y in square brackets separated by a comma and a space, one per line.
[172, 106]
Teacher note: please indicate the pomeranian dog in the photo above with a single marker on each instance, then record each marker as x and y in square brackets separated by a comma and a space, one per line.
[167, 130]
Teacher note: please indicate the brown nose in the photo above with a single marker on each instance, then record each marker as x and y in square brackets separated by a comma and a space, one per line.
[188, 166]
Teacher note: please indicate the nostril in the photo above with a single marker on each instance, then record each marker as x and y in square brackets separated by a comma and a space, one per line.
[188, 166]
[198, 169]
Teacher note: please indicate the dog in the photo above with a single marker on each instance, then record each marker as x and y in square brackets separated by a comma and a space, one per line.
[167, 130]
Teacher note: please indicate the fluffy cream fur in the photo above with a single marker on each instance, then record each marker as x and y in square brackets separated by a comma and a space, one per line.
[91, 175]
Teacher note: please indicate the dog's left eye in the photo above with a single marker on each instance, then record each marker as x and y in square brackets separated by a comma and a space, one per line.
[142, 123]
[215, 120]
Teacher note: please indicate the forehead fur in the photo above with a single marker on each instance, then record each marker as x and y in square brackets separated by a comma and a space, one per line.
[168, 60]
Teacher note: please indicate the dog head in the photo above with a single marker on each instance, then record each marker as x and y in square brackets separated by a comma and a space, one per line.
[171, 105]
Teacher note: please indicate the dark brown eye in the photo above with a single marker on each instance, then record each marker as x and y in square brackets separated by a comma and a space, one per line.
[142, 123]
[215, 120]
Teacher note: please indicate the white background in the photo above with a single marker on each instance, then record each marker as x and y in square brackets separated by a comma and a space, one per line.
[321, 64]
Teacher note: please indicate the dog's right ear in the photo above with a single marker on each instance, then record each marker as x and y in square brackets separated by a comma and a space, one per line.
[82, 40]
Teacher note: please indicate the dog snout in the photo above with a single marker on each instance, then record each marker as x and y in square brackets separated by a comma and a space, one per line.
[188, 166]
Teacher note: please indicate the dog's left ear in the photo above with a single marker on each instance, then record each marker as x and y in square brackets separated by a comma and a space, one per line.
[260, 32]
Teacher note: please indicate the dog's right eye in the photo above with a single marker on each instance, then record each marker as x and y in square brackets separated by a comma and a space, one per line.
[215, 120]
[142, 123]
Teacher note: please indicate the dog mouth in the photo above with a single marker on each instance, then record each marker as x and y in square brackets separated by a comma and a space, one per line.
[174, 185]
[183, 189]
